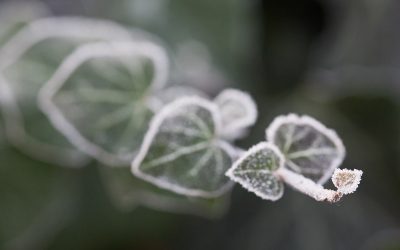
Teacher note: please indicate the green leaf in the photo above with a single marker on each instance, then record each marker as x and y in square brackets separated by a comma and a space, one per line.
[310, 148]
[101, 97]
[182, 152]
[255, 171]
[127, 192]
[27, 61]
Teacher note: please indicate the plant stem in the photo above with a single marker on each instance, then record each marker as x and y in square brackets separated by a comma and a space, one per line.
[307, 186]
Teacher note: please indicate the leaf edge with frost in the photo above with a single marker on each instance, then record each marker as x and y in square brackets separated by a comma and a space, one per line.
[155, 123]
[67, 68]
[314, 123]
[253, 149]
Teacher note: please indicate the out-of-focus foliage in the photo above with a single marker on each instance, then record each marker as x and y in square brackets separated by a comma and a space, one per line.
[128, 192]
[103, 103]
[337, 61]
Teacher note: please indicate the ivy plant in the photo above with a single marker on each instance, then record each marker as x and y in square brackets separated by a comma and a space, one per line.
[301, 152]
[76, 88]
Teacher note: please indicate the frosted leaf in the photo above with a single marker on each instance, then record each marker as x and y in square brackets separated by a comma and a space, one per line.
[309, 147]
[99, 98]
[255, 171]
[238, 112]
[346, 181]
[128, 192]
[27, 61]
[181, 151]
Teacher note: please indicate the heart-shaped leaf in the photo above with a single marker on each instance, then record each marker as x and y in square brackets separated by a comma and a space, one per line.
[346, 181]
[100, 97]
[255, 171]
[310, 148]
[182, 152]
[27, 61]
[238, 112]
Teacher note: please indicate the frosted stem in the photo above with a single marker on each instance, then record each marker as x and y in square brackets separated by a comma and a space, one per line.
[307, 186]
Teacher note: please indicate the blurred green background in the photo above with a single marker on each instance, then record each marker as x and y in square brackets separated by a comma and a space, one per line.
[338, 61]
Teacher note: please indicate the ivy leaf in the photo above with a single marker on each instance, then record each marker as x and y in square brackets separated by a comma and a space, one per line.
[27, 61]
[238, 111]
[255, 171]
[128, 192]
[99, 98]
[310, 148]
[181, 150]
[346, 181]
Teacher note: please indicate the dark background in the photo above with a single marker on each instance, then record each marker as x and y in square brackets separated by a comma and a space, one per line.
[338, 61]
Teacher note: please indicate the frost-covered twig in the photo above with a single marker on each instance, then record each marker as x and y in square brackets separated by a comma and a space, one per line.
[346, 182]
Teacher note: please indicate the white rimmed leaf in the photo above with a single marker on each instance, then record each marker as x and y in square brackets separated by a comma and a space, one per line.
[128, 192]
[346, 181]
[309, 147]
[181, 150]
[255, 171]
[238, 112]
[100, 97]
[27, 61]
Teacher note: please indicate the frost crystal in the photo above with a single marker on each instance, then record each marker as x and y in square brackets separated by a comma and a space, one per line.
[181, 150]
